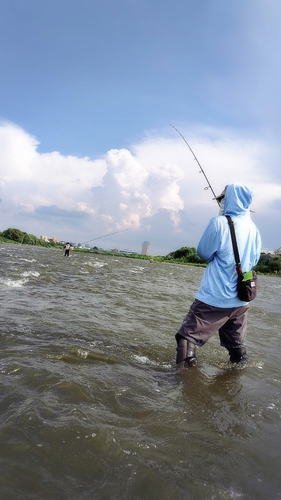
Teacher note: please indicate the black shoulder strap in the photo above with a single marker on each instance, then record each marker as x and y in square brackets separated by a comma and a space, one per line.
[234, 244]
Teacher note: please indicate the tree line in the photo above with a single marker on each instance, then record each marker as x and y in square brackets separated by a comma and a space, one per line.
[268, 263]
[14, 235]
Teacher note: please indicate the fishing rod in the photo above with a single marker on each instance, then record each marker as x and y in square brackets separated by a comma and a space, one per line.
[105, 235]
[201, 168]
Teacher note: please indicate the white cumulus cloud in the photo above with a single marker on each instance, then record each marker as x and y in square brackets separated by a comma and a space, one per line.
[156, 187]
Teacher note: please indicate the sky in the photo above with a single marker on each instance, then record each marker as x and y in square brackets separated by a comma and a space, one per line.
[89, 90]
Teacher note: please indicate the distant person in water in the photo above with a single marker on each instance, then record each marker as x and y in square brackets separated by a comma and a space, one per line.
[67, 249]
[217, 307]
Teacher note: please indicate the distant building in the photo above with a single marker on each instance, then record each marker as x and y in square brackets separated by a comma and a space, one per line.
[268, 250]
[145, 248]
[45, 238]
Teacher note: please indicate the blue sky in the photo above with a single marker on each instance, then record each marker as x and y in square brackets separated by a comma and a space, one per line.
[88, 89]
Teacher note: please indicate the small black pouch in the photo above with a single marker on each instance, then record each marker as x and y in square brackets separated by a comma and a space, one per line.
[247, 286]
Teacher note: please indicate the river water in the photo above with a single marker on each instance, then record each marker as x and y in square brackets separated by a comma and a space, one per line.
[91, 404]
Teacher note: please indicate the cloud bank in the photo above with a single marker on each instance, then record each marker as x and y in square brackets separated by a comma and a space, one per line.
[154, 191]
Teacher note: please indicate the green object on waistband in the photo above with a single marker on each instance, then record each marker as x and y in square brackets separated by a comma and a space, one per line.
[248, 276]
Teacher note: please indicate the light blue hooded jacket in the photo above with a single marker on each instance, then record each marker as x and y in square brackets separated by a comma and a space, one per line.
[219, 283]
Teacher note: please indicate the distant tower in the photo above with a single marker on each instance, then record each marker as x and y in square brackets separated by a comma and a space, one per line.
[145, 248]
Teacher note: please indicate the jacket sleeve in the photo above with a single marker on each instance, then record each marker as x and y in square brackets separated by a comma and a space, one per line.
[210, 240]
[258, 248]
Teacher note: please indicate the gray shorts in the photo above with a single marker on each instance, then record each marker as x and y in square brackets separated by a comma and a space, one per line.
[202, 321]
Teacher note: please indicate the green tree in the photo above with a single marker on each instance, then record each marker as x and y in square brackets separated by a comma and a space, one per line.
[275, 265]
[13, 234]
[186, 254]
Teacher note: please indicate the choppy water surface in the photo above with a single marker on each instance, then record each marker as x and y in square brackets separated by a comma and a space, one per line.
[91, 405]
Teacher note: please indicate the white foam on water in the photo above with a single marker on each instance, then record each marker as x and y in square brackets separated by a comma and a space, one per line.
[82, 353]
[28, 260]
[34, 274]
[144, 360]
[96, 264]
[13, 283]
[137, 270]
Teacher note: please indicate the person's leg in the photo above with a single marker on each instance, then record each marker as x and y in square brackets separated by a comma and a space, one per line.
[186, 352]
[200, 323]
[238, 355]
[233, 335]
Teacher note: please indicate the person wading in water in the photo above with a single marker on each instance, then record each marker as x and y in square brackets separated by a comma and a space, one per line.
[67, 249]
[216, 306]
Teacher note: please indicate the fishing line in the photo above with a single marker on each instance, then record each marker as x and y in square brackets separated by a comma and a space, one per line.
[200, 166]
[109, 234]
[105, 235]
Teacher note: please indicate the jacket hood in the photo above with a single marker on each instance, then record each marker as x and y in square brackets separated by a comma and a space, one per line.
[238, 199]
